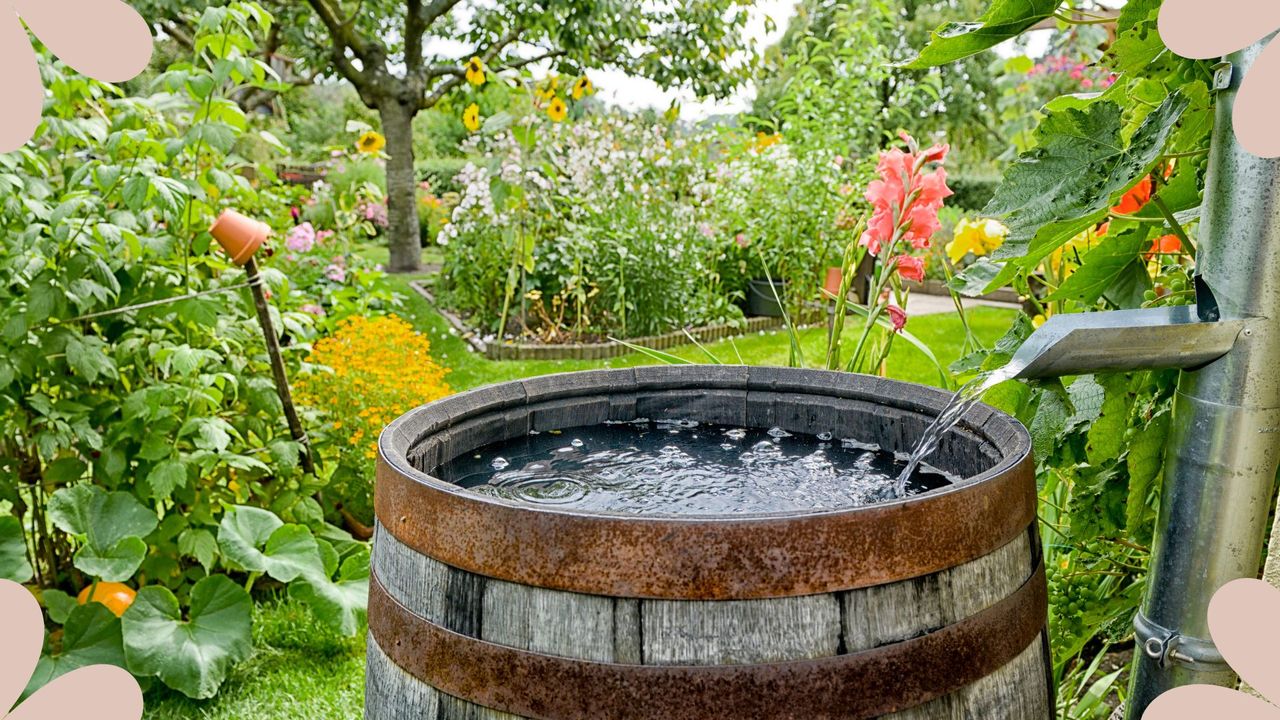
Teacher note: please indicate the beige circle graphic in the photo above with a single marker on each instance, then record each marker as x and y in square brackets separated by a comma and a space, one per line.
[1200, 29]
[104, 692]
[104, 39]
[1242, 621]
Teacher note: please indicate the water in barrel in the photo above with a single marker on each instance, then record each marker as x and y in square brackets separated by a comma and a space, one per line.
[687, 468]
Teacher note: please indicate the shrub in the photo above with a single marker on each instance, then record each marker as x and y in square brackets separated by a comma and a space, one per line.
[972, 193]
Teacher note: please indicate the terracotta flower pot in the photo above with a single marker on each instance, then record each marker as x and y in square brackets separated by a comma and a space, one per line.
[239, 236]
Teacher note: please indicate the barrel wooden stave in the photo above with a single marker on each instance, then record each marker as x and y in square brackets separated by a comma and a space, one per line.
[668, 632]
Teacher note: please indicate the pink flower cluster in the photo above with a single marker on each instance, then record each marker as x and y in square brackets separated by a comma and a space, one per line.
[337, 270]
[1088, 75]
[906, 199]
[302, 238]
[376, 213]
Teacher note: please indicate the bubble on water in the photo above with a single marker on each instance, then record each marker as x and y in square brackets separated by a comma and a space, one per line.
[499, 463]
[824, 437]
[726, 446]
[854, 444]
[566, 449]
[736, 433]
[777, 432]
[576, 443]
[551, 491]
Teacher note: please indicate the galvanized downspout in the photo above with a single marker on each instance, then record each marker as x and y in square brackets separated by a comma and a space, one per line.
[1222, 458]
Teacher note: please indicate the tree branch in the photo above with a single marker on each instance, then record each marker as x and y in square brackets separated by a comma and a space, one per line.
[340, 31]
[456, 73]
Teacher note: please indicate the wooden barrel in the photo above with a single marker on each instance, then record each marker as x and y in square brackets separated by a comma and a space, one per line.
[930, 607]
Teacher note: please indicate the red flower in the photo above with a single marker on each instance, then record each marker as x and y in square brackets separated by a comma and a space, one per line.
[1167, 245]
[910, 267]
[898, 316]
[1136, 199]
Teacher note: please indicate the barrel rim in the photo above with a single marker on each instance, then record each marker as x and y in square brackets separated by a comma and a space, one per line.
[850, 548]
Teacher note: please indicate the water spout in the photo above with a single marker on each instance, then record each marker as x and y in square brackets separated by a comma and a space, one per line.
[1151, 339]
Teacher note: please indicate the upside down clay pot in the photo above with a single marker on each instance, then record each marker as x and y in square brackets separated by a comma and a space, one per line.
[239, 236]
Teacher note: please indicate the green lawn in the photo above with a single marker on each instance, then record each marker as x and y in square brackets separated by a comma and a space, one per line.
[301, 672]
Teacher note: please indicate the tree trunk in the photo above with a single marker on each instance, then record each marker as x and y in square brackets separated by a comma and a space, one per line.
[403, 232]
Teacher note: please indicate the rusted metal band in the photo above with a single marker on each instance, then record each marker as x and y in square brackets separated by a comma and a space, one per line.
[706, 559]
[859, 685]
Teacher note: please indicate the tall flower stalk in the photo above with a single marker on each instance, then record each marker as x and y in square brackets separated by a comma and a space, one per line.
[906, 198]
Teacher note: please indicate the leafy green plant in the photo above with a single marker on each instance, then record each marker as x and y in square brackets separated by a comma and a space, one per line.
[1102, 207]
[137, 413]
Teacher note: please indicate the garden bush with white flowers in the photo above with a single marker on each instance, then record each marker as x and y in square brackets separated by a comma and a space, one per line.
[614, 226]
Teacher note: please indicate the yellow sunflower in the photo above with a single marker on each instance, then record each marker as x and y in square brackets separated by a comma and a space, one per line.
[371, 143]
[582, 87]
[557, 110]
[546, 91]
[475, 71]
[471, 117]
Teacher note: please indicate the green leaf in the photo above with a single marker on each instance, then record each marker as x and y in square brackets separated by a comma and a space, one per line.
[58, 604]
[114, 563]
[1104, 264]
[1050, 422]
[1138, 42]
[1079, 169]
[1107, 436]
[102, 518]
[194, 655]
[1145, 459]
[90, 636]
[166, 477]
[200, 544]
[111, 525]
[340, 604]
[1005, 19]
[13, 551]
[258, 541]
[977, 279]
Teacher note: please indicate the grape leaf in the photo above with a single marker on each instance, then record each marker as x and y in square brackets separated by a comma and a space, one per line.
[1145, 459]
[1079, 169]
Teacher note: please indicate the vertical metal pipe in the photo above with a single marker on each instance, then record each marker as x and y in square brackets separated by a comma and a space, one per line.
[1221, 461]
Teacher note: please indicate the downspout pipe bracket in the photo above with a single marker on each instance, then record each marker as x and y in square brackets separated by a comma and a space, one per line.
[1170, 647]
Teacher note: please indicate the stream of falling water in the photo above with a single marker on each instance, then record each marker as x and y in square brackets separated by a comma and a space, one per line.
[963, 401]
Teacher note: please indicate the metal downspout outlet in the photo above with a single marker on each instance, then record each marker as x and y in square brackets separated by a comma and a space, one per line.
[1221, 461]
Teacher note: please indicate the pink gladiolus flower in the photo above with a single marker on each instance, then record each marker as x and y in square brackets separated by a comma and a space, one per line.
[910, 267]
[898, 316]
[301, 238]
[906, 199]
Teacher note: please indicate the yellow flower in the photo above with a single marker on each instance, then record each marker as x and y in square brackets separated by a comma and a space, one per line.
[979, 237]
[471, 117]
[371, 142]
[475, 71]
[546, 91]
[583, 87]
[557, 110]
[765, 141]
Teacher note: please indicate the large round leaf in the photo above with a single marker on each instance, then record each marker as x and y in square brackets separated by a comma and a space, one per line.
[111, 526]
[13, 551]
[340, 603]
[91, 636]
[258, 541]
[194, 655]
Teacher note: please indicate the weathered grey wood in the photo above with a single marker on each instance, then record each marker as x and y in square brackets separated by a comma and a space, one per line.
[393, 694]
[737, 632]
